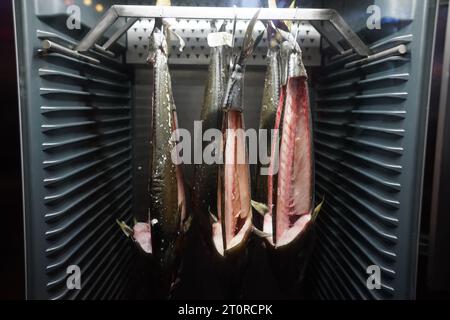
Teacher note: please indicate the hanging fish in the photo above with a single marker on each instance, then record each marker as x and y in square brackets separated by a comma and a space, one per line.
[234, 223]
[290, 197]
[289, 214]
[271, 97]
[206, 175]
[163, 236]
[166, 186]
[294, 198]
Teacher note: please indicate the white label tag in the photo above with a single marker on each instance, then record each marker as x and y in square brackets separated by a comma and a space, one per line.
[218, 39]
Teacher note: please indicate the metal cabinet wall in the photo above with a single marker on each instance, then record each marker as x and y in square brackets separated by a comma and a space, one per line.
[77, 155]
[370, 133]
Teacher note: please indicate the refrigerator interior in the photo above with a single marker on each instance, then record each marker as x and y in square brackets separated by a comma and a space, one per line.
[85, 154]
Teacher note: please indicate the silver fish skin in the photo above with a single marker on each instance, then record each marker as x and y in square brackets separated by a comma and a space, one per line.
[167, 198]
[205, 175]
[270, 101]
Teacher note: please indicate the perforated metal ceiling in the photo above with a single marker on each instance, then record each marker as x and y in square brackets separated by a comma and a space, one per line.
[196, 52]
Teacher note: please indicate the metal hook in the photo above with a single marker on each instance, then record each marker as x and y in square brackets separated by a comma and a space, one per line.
[234, 25]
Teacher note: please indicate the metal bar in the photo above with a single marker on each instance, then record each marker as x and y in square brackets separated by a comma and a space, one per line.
[350, 54]
[45, 35]
[92, 37]
[101, 50]
[116, 36]
[401, 49]
[351, 37]
[223, 13]
[220, 13]
[331, 40]
[48, 45]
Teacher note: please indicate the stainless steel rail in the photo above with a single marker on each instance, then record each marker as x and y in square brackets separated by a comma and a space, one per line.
[49, 46]
[401, 50]
[228, 13]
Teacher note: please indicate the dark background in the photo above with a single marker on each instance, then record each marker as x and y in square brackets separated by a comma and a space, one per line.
[12, 278]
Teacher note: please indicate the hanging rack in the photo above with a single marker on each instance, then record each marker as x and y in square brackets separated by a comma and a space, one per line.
[315, 16]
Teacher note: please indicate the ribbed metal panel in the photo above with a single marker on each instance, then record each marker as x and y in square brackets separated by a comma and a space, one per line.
[369, 134]
[77, 154]
[86, 125]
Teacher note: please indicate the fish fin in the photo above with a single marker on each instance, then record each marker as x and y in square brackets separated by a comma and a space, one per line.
[187, 224]
[290, 23]
[135, 222]
[125, 228]
[180, 207]
[272, 4]
[260, 233]
[318, 209]
[180, 40]
[287, 36]
[180, 212]
[223, 27]
[261, 208]
[212, 217]
[258, 40]
[170, 32]
[248, 43]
